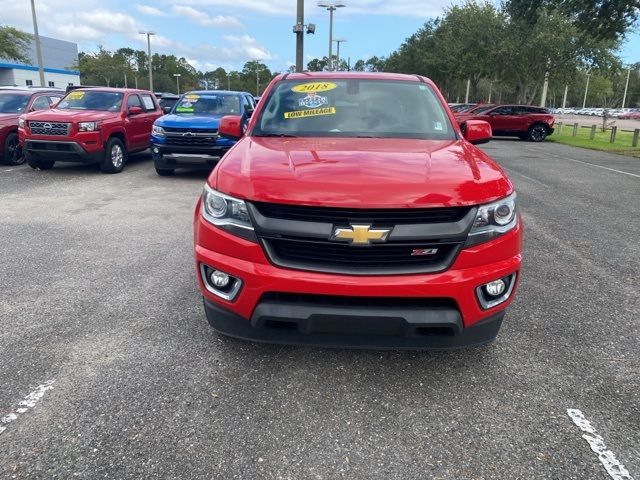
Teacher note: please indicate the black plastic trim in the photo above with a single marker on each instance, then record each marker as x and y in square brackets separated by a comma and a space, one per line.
[397, 328]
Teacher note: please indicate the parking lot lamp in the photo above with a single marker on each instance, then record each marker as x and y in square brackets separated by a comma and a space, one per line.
[586, 89]
[332, 7]
[338, 42]
[177, 75]
[148, 34]
[626, 87]
[36, 38]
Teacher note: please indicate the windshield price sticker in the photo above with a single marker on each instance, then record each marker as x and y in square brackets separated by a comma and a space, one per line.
[310, 113]
[75, 95]
[191, 98]
[314, 87]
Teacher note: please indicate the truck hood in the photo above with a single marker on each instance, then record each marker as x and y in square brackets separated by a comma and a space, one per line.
[9, 118]
[56, 115]
[189, 121]
[368, 173]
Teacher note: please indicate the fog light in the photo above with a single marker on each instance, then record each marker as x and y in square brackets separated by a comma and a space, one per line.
[156, 150]
[219, 279]
[496, 288]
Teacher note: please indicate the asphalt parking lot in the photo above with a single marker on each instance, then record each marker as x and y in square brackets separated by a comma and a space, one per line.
[103, 325]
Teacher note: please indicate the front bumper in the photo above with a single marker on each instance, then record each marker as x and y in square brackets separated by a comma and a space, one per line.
[353, 327]
[185, 156]
[60, 151]
[244, 316]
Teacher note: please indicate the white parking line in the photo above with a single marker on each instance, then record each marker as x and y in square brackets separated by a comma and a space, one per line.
[600, 166]
[29, 402]
[614, 468]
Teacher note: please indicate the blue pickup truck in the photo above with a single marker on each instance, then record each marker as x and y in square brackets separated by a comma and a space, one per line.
[187, 137]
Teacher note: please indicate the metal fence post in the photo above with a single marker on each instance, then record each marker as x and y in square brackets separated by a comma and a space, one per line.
[592, 135]
[575, 129]
[613, 134]
[636, 134]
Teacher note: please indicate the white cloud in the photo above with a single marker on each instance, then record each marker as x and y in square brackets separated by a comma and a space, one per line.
[411, 8]
[202, 18]
[149, 10]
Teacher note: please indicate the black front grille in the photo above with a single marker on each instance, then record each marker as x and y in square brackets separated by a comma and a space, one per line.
[49, 128]
[212, 131]
[191, 141]
[379, 258]
[51, 146]
[374, 216]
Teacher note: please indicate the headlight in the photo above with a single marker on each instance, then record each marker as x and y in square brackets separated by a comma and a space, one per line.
[158, 131]
[87, 126]
[492, 220]
[21, 120]
[227, 213]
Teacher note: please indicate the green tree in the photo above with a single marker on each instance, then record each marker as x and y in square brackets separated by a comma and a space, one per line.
[599, 19]
[14, 44]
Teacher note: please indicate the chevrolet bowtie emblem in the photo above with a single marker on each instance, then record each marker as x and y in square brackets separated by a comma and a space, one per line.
[360, 234]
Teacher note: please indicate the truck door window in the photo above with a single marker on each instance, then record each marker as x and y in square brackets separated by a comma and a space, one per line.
[149, 105]
[40, 103]
[133, 101]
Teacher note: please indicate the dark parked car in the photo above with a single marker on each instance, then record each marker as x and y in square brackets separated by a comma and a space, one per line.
[167, 101]
[524, 121]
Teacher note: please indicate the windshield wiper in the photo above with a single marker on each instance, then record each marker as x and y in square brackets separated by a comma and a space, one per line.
[287, 135]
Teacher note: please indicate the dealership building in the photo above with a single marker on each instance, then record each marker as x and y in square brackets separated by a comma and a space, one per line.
[58, 59]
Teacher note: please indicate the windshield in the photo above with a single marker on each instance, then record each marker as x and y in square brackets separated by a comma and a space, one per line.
[208, 104]
[13, 102]
[354, 108]
[91, 100]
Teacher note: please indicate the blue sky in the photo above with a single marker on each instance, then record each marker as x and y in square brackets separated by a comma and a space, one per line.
[227, 33]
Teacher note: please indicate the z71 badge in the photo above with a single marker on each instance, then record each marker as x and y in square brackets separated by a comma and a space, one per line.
[313, 100]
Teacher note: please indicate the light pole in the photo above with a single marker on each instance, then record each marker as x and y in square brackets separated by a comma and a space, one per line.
[177, 75]
[148, 34]
[626, 87]
[332, 7]
[258, 70]
[586, 89]
[37, 42]
[338, 42]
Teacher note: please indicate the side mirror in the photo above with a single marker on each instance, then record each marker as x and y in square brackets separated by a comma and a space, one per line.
[477, 131]
[134, 110]
[231, 127]
[166, 110]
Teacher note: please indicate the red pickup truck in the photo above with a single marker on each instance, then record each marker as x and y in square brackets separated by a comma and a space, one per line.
[90, 125]
[354, 211]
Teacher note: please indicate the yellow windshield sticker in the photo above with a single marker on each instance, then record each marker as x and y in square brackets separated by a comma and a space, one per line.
[191, 97]
[75, 95]
[310, 113]
[314, 87]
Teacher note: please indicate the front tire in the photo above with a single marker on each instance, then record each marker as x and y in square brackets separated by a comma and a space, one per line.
[537, 133]
[11, 151]
[115, 156]
[40, 164]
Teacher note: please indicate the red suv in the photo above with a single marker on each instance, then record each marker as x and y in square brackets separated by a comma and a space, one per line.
[354, 211]
[90, 125]
[14, 101]
[523, 121]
